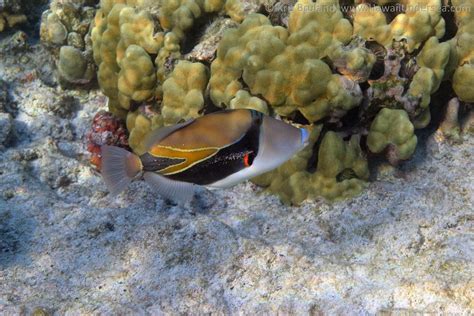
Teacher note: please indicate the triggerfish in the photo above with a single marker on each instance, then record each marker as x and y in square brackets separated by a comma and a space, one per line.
[216, 150]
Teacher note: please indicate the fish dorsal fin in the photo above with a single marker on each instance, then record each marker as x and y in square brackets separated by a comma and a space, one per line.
[158, 134]
[178, 191]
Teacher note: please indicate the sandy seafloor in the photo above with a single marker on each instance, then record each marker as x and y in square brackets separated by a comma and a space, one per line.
[405, 245]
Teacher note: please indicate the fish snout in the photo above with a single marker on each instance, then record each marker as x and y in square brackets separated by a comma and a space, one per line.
[304, 136]
[279, 141]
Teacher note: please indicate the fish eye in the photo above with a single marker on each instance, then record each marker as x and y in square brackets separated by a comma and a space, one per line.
[248, 159]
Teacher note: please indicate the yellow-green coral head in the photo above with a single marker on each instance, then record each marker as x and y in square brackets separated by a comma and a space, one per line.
[217, 150]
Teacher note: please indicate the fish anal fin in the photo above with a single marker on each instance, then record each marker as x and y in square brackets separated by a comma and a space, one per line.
[177, 191]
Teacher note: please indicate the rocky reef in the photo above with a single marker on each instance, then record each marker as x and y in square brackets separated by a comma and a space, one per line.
[65, 30]
[404, 246]
[363, 73]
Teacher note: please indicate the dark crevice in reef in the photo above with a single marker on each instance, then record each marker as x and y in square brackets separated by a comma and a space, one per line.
[378, 70]
[194, 35]
[210, 106]
[33, 9]
[351, 120]
[298, 118]
[438, 104]
[464, 109]
[347, 7]
[205, 62]
[263, 10]
[364, 85]
[451, 27]
[416, 52]
[313, 160]
[374, 161]
[437, 108]
[408, 67]
[134, 105]
[380, 52]
[329, 62]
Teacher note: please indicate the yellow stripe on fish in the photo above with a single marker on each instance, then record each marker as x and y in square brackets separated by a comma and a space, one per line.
[190, 156]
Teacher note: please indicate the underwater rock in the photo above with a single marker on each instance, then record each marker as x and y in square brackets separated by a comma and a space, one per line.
[315, 63]
[65, 107]
[4, 96]
[206, 47]
[68, 248]
[73, 66]
[65, 31]
[5, 127]
[17, 43]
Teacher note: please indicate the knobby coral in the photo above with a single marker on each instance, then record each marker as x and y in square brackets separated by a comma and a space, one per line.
[360, 79]
[65, 29]
[158, 29]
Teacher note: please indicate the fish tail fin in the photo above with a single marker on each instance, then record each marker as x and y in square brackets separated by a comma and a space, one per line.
[119, 167]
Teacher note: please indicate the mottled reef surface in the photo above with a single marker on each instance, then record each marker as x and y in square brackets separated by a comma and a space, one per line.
[404, 245]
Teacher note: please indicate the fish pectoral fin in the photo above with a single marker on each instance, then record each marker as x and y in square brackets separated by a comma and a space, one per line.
[177, 191]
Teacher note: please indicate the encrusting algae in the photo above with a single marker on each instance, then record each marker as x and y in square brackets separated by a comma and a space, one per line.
[362, 78]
